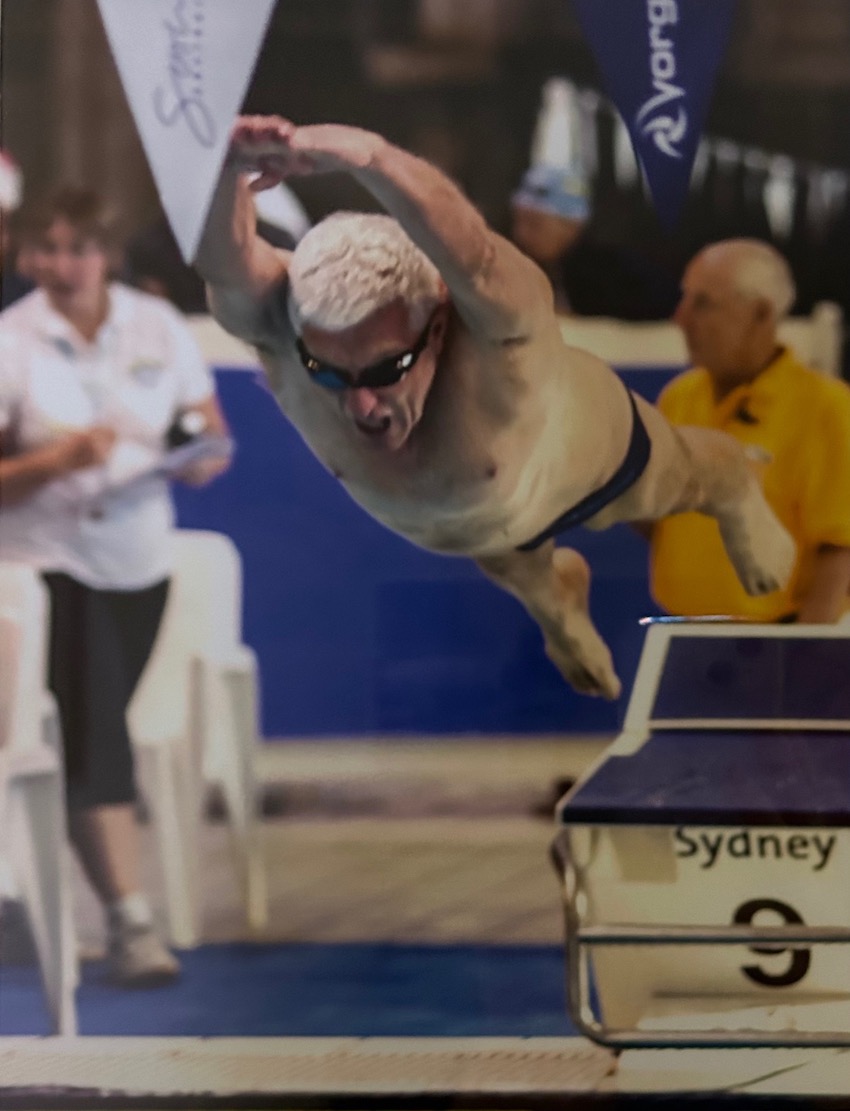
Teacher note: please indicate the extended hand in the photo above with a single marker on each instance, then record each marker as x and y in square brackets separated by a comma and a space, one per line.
[203, 471]
[277, 149]
[83, 449]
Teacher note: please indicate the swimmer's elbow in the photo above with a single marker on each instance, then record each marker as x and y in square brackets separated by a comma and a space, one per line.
[514, 283]
[237, 312]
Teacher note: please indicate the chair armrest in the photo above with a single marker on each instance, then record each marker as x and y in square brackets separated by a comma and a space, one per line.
[41, 760]
[49, 708]
[237, 658]
[224, 704]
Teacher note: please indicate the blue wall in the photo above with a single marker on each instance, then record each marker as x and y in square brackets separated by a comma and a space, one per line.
[359, 632]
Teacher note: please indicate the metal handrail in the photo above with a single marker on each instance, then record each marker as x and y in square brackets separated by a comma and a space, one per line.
[580, 938]
[618, 934]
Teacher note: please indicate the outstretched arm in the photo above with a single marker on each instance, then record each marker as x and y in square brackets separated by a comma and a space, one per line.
[494, 286]
[22, 475]
[239, 267]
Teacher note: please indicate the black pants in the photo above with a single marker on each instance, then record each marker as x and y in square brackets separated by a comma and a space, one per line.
[100, 641]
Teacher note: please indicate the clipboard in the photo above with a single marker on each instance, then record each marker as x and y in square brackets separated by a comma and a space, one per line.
[169, 464]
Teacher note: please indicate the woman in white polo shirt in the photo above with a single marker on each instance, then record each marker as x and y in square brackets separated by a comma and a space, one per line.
[93, 376]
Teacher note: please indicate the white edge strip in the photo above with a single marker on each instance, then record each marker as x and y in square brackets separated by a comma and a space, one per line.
[228, 1066]
[815, 338]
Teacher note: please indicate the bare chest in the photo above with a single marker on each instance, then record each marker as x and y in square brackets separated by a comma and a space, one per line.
[449, 487]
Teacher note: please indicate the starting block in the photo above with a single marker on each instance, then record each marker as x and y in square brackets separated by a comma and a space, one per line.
[705, 857]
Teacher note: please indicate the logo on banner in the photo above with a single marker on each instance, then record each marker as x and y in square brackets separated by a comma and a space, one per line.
[185, 66]
[658, 59]
[654, 118]
[180, 97]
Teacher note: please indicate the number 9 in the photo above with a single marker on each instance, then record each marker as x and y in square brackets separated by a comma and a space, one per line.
[801, 959]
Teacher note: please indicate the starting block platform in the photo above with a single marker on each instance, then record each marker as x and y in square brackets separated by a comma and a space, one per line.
[705, 858]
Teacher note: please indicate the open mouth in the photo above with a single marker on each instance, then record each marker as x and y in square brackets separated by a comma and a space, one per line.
[374, 430]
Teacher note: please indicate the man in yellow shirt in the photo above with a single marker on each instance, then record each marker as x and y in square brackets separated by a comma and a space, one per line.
[795, 422]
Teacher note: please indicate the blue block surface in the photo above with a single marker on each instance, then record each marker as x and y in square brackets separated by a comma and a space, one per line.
[747, 677]
[709, 777]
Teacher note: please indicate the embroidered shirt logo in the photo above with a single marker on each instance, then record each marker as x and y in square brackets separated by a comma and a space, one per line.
[146, 372]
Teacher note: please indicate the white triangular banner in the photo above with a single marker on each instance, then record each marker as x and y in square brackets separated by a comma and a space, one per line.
[185, 66]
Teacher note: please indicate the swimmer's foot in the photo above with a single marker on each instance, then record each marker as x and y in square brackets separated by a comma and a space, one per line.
[572, 642]
[584, 662]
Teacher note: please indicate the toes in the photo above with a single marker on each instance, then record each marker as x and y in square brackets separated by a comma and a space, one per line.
[608, 685]
[757, 584]
[592, 679]
[757, 581]
[602, 686]
[766, 586]
[613, 688]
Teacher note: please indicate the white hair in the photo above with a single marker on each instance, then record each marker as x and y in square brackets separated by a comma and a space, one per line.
[353, 263]
[759, 272]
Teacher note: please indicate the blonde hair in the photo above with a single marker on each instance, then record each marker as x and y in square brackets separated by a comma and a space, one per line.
[353, 263]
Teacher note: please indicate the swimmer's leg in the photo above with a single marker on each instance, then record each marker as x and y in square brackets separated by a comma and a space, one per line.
[553, 585]
[761, 550]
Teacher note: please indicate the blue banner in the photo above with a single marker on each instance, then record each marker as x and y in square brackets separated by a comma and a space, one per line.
[659, 59]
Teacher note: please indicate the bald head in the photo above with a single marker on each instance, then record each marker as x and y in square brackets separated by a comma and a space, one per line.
[734, 294]
[753, 269]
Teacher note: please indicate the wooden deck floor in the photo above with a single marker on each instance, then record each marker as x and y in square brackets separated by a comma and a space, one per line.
[404, 843]
[382, 842]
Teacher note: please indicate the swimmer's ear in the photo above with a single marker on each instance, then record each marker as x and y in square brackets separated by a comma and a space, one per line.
[441, 319]
[439, 323]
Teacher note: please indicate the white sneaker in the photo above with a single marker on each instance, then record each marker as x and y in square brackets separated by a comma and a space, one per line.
[138, 959]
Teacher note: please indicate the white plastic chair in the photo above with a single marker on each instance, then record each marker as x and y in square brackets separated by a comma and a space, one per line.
[193, 721]
[33, 840]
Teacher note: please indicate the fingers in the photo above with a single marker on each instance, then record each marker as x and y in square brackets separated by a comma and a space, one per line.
[263, 145]
[85, 449]
[274, 149]
[102, 440]
[271, 171]
[266, 126]
[261, 135]
[203, 471]
[266, 180]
